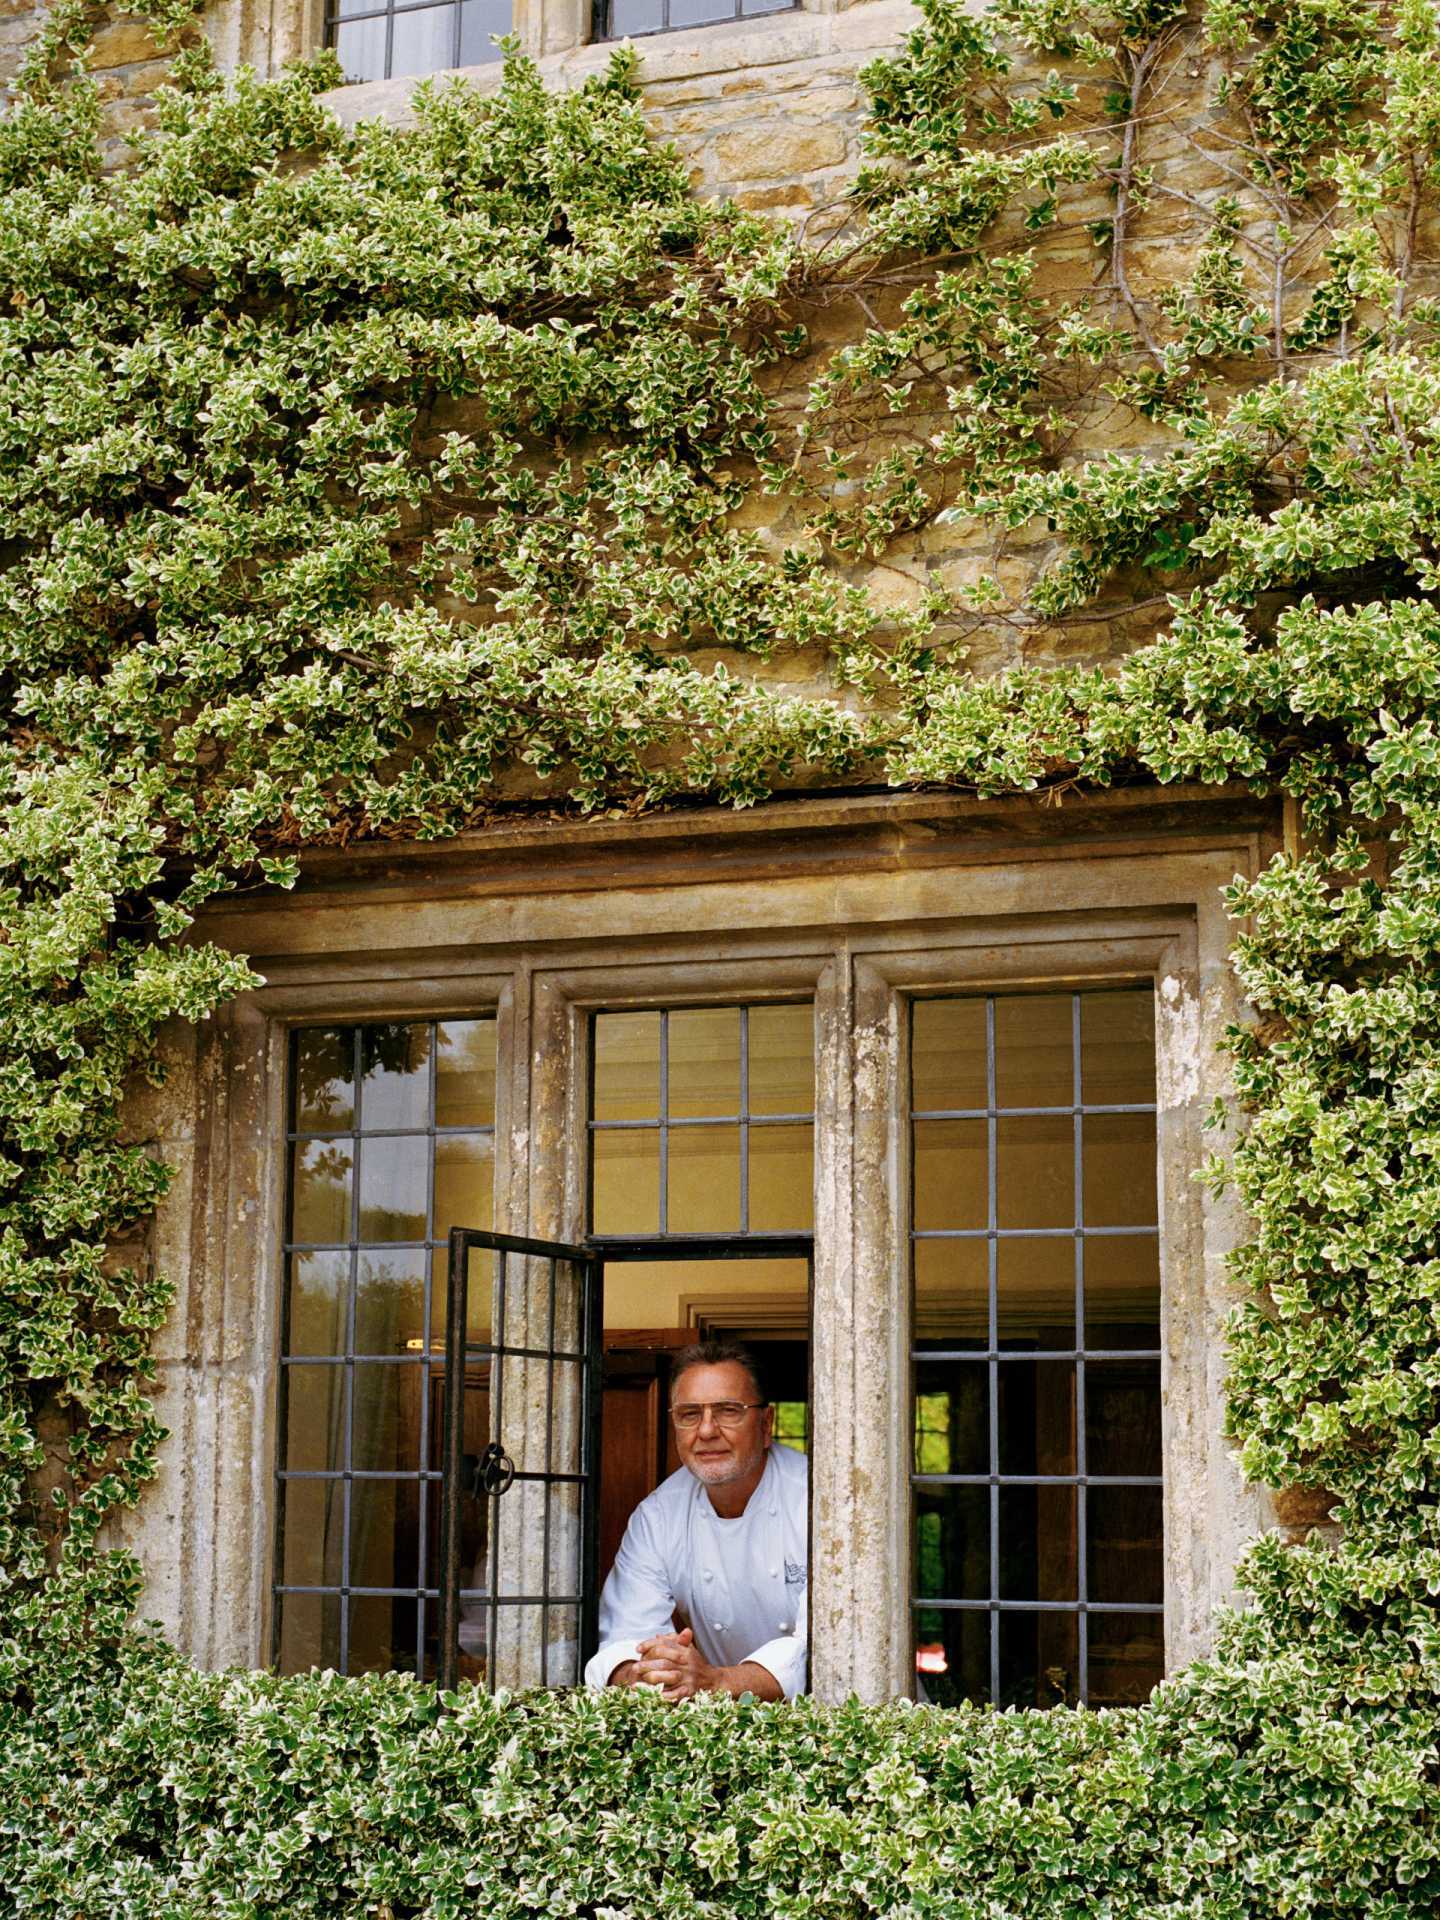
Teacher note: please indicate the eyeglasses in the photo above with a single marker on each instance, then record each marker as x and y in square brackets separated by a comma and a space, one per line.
[728, 1413]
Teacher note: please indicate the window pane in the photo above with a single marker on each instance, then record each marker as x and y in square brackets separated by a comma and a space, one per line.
[1037, 1417]
[562, 1663]
[465, 1073]
[320, 1191]
[382, 1634]
[386, 1436]
[479, 20]
[424, 42]
[314, 1533]
[1035, 1172]
[952, 1418]
[324, 1079]
[1127, 1658]
[309, 1631]
[315, 1419]
[361, 47]
[1035, 1292]
[1122, 1417]
[782, 1179]
[635, 16]
[319, 1299]
[464, 1182]
[699, 13]
[704, 1180]
[952, 1543]
[1117, 1048]
[1039, 1659]
[389, 1301]
[1120, 1184]
[704, 1063]
[782, 1059]
[627, 1066]
[1122, 1290]
[952, 1656]
[947, 1054]
[1037, 1544]
[950, 1174]
[627, 1182]
[1034, 1057]
[952, 1293]
[394, 1174]
[479, 1295]
[395, 1075]
[1124, 1544]
[384, 1534]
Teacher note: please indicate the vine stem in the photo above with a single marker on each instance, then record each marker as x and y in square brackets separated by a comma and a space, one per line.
[1139, 72]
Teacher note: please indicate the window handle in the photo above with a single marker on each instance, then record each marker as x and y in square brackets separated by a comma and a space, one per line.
[494, 1471]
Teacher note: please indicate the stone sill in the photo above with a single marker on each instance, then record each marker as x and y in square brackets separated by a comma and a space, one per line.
[697, 53]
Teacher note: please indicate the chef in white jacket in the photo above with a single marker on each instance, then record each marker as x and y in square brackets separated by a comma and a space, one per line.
[708, 1590]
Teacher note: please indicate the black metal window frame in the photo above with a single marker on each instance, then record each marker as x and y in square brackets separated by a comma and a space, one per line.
[460, 1350]
[993, 1355]
[665, 1123]
[426, 1362]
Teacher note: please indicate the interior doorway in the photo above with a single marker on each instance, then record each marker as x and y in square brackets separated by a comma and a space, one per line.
[660, 1298]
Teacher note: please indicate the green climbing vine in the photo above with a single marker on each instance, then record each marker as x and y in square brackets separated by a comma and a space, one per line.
[372, 483]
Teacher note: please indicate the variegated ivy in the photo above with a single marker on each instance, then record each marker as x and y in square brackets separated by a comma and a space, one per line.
[348, 476]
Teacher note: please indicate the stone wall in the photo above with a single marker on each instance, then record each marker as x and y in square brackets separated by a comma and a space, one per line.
[770, 112]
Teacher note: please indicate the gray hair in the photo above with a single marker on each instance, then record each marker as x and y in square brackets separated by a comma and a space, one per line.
[717, 1353]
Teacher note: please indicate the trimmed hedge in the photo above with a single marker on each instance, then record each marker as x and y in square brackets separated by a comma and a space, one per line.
[1262, 1788]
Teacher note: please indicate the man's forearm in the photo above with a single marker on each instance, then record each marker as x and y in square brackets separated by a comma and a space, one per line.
[749, 1677]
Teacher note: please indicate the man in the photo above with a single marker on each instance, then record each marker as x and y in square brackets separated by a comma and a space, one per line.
[707, 1594]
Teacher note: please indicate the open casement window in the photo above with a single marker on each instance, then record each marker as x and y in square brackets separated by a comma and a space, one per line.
[1037, 1439]
[519, 1461]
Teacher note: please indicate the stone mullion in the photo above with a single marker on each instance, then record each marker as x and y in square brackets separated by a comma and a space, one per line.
[860, 1334]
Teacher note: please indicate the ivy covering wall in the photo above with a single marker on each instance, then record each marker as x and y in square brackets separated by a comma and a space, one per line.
[346, 474]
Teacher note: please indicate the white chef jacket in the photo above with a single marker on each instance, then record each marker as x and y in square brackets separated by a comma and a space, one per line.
[740, 1585]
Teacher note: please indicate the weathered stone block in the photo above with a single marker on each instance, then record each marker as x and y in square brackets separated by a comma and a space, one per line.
[122, 43]
[772, 152]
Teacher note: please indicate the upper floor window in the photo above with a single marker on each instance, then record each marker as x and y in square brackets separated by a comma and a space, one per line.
[627, 19]
[383, 40]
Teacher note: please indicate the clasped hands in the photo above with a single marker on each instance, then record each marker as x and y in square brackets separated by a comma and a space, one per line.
[673, 1663]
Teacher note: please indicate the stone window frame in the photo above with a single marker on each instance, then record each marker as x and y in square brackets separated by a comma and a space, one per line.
[266, 34]
[863, 934]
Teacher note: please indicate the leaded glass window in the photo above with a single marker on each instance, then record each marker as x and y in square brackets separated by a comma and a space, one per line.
[1037, 1443]
[377, 41]
[628, 19]
[391, 1139]
[702, 1121]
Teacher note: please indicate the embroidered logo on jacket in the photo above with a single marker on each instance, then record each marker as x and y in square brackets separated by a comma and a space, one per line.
[795, 1571]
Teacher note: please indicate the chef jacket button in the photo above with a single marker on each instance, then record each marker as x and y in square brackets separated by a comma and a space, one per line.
[708, 1574]
[719, 1626]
